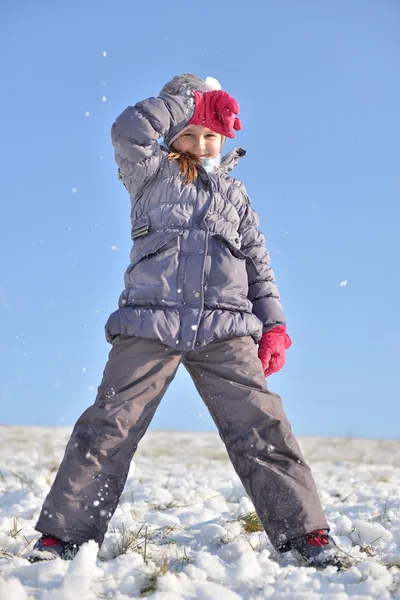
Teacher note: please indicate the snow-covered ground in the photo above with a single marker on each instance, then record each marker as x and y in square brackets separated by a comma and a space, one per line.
[177, 532]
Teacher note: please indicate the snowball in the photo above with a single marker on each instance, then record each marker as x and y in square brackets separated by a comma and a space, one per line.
[212, 84]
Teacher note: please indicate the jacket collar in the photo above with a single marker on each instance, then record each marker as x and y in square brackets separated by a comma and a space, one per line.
[230, 160]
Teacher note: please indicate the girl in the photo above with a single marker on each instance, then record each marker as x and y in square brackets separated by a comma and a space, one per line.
[199, 291]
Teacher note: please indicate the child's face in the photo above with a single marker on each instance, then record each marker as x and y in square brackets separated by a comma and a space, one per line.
[200, 141]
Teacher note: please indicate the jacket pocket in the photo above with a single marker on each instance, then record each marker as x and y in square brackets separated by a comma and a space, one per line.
[140, 228]
[226, 231]
[226, 275]
[151, 278]
[233, 241]
[151, 243]
[233, 245]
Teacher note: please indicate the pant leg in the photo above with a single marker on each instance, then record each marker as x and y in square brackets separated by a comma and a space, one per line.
[258, 437]
[95, 466]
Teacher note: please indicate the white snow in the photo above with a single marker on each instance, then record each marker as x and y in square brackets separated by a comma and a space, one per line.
[177, 532]
[212, 84]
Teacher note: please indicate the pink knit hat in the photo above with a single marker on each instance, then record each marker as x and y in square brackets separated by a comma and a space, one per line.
[179, 86]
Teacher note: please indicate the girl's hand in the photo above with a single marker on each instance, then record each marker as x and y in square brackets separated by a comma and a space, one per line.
[216, 110]
[272, 348]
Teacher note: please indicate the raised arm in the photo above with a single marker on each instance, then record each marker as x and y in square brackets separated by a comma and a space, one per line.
[136, 131]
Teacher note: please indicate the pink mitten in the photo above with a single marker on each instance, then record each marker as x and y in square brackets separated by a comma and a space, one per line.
[216, 110]
[272, 348]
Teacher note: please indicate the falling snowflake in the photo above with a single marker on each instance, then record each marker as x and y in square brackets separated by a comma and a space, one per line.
[87, 113]
[113, 247]
[104, 54]
[74, 191]
[343, 283]
[104, 99]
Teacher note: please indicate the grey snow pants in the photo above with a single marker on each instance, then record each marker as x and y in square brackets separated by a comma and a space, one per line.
[249, 418]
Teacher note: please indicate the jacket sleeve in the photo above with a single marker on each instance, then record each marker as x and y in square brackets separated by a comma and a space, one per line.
[136, 131]
[263, 291]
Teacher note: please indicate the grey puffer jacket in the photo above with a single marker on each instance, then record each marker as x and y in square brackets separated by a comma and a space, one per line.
[199, 268]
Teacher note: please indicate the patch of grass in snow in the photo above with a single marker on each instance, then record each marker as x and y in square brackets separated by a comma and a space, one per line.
[387, 515]
[136, 541]
[150, 546]
[251, 522]
[186, 504]
[168, 505]
[162, 535]
[15, 530]
[151, 580]
[14, 533]
[383, 478]
[368, 549]
[18, 543]
[24, 482]
[10, 554]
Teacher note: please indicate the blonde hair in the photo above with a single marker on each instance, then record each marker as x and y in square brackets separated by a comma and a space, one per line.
[187, 162]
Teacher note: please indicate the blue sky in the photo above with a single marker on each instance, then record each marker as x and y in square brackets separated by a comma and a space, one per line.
[319, 89]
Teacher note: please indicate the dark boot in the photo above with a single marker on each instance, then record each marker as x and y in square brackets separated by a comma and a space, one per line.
[317, 549]
[49, 548]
